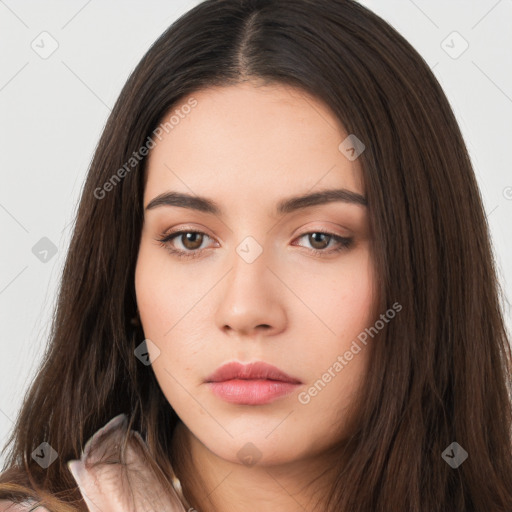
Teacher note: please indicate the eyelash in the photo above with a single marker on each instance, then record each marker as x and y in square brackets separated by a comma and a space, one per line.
[344, 244]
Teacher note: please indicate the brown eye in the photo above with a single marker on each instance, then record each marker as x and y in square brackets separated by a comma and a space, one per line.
[191, 240]
[319, 240]
[184, 244]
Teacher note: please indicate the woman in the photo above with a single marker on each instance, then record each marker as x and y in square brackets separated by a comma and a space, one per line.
[280, 290]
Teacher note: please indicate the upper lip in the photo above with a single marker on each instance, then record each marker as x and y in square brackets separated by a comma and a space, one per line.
[257, 370]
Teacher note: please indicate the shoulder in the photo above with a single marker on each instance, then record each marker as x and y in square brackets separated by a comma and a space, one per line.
[116, 472]
[10, 506]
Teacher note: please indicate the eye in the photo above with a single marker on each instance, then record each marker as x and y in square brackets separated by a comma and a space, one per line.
[192, 241]
[321, 240]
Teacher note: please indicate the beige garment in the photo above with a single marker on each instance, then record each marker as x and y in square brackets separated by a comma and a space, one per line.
[112, 486]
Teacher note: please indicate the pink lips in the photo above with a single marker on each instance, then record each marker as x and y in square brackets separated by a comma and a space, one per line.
[251, 384]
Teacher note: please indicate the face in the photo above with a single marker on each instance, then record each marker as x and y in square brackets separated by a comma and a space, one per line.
[251, 276]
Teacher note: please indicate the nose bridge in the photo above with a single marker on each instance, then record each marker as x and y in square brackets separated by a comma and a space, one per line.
[250, 298]
[248, 278]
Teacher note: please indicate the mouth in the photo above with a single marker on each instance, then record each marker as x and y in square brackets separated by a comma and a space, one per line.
[251, 384]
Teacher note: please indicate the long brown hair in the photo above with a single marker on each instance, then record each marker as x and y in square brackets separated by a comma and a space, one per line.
[442, 371]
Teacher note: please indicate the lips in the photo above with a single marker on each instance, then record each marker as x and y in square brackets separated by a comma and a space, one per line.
[252, 371]
[251, 384]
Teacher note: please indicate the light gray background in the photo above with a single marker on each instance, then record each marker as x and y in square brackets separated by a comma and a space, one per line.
[53, 110]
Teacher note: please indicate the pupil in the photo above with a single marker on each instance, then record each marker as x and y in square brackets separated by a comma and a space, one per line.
[191, 243]
[314, 237]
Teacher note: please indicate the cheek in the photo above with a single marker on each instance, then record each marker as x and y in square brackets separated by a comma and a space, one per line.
[154, 307]
[340, 301]
[165, 299]
[160, 308]
[350, 308]
[161, 295]
[343, 307]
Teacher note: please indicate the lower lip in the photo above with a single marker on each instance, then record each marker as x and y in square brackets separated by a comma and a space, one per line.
[251, 392]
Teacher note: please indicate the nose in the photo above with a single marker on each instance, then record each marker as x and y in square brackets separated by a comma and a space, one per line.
[252, 300]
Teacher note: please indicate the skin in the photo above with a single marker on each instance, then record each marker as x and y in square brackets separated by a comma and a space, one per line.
[247, 147]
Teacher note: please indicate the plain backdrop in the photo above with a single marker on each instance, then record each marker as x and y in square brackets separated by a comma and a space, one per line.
[53, 109]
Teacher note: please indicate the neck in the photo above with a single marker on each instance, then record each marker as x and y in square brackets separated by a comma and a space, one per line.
[213, 484]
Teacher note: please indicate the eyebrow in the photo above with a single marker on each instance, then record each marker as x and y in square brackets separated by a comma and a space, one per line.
[289, 205]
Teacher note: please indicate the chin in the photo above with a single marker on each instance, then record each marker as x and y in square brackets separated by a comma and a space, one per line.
[255, 449]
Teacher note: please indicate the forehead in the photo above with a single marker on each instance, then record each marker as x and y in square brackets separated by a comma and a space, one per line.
[244, 142]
